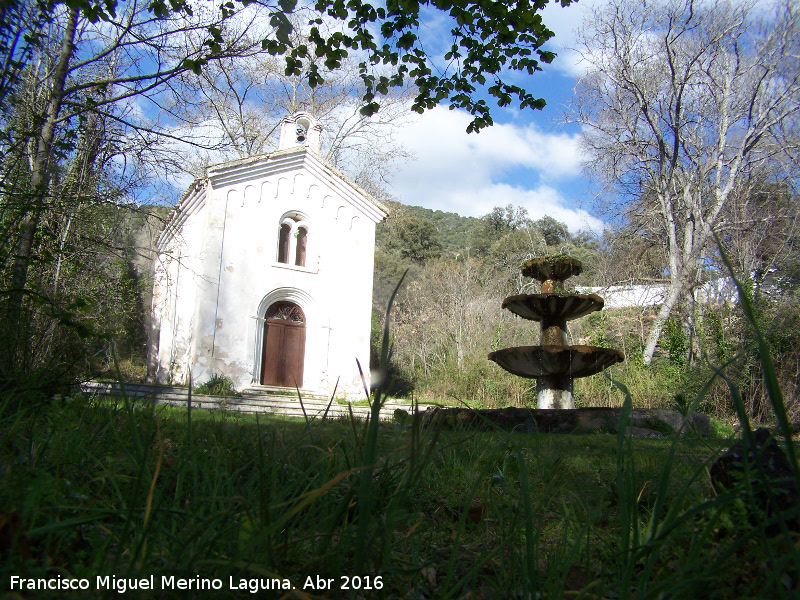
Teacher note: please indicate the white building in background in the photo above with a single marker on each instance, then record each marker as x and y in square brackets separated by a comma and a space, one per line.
[716, 291]
[264, 274]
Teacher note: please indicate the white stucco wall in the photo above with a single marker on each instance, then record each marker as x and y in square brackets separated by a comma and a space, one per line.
[219, 273]
[717, 290]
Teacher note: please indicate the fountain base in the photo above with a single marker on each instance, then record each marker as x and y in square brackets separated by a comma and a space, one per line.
[554, 392]
[644, 422]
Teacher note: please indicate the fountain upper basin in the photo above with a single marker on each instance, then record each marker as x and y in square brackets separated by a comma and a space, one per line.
[551, 268]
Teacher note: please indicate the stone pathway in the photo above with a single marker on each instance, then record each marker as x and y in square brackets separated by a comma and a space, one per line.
[265, 400]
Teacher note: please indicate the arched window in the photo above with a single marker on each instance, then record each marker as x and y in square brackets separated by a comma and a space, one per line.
[293, 240]
[285, 311]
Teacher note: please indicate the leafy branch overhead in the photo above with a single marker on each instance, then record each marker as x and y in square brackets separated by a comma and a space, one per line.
[490, 40]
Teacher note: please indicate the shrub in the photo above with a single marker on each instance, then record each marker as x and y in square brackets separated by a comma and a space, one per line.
[218, 385]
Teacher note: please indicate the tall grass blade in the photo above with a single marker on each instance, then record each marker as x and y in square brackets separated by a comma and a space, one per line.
[364, 382]
[330, 402]
[303, 407]
[528, 515]
[770, 378]
[365, 496]
[627, 493]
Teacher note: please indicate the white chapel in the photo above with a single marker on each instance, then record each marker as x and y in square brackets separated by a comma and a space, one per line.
[264, 274]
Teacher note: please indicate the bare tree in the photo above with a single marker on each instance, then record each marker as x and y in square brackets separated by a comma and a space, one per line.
[79, 71]
[685, 104]
[762, 229]
[237, 105]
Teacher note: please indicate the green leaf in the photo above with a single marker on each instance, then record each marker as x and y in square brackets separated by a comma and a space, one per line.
[283, 27]
[369, 109]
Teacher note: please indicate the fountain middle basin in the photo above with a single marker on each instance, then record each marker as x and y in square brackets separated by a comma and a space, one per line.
[539, 307]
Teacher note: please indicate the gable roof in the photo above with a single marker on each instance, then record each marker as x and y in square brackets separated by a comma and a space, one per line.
[291, 159]
[263, 165]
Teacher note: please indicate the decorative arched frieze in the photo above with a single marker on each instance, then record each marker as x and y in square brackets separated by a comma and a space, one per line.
[250, 195]
[266, 188]
[233, 196]
[297, 184]
[313, 192]
[284, 187]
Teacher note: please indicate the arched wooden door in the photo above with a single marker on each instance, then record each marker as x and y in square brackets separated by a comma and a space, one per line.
[284, 348]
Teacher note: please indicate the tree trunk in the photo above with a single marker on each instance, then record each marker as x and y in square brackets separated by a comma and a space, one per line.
[673, 294]
[40, 164]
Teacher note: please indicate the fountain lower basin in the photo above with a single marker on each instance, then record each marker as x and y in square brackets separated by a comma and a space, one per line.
[544, 361]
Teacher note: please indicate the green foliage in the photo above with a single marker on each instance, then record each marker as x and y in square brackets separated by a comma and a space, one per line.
[453, 231]
[722, 347]
[597, 325]
[675, 342]
[218, 385]
[555, 232]
[721, 430]
[486, 43]
[502, 220]
[415, 239]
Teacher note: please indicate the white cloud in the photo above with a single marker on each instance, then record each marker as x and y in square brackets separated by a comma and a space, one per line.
[564, 22]
[505, 164]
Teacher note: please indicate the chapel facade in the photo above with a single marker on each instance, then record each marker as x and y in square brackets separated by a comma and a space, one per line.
[264, 274]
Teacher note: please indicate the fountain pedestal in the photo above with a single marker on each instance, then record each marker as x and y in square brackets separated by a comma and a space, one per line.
[554, 364]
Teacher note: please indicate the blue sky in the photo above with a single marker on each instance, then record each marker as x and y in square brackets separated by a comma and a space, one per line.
[528, 158]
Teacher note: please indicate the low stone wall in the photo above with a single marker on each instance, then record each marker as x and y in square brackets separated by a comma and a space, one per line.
[652, 423]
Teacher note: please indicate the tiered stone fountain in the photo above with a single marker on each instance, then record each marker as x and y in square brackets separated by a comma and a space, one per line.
[554, 364]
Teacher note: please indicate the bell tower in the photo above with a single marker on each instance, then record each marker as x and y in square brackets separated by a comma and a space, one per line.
[300, 129]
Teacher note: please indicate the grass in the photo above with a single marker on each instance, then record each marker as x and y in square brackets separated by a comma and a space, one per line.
[103, 488]
[95, 488]
[218, 385]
